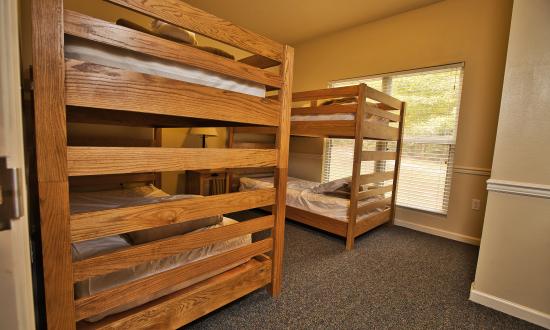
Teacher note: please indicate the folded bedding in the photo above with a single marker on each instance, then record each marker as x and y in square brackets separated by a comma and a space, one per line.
[301, 194]
[86, 202]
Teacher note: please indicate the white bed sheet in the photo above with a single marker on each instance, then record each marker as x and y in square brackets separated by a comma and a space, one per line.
[83, 202]
[299, 194]
[85, 50]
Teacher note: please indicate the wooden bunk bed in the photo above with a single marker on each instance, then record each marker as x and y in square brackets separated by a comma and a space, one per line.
[367, 209]
[68, 90]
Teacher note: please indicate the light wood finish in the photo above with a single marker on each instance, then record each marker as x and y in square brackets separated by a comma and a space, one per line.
[205, 182]
[371, 110]
[259, 61]
[375, 177]
[90, 225]
[383, 203]
[252, 145]
[380, 131]
[330, 225]
[399, 148]
[157, 142]
[115, 160]
[83, 26]
[356, 167]
[384, 98]
[328, 93]
[110, 298]
[378, 155]
[255, 130]
[372, 222]
[114, 179]
[51, 141]
[324, 128]
[135, 255]
[189, 304]
[183, 15]
[281, 172]
[373, 192]
[324, 109]
[97, 86]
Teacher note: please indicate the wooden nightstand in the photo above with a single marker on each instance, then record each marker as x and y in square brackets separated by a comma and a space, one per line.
[205, 182]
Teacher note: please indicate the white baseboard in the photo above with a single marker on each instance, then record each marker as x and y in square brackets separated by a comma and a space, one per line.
[438, 232]
[510, 308]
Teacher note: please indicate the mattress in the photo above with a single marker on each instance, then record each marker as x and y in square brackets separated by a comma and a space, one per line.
[83, 202]
[89, 51]
[299, 194]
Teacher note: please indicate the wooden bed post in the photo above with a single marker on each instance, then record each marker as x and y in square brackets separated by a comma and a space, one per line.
[398, 148]
[281, 172]
[157, 142]
[51, 156]
[356, 171]
[228, 175]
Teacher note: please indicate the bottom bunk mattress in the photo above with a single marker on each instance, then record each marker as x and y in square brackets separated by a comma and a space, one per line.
[83, 202]
[300, 194]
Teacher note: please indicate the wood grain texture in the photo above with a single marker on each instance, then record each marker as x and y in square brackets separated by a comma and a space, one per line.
[252, 145]
[259, 61]
[372, 222]
[399, 149]
[179, 308]
[383, 203]
[90, 225]
[376, 177]
[281, 172]
[327, 93]
[126, 293]
[380, 132]
[87, 27]
[117, 160]
[378, 155]
[138, 254]
[384, 98]
[371, 110]
[157, 142]
[373, 192]
[115, 179]
[330, 225]
[96, 86]
[255, 130]
[51, 143]
[183, 15]
[324, 109]
[324, 128]
[356, 166]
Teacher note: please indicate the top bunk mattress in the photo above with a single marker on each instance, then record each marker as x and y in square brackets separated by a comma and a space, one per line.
[89, 51]
[299, 194]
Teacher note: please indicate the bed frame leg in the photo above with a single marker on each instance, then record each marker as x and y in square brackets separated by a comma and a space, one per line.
[349, 242]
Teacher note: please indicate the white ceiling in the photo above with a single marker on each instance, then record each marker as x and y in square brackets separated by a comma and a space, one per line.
[293, 21]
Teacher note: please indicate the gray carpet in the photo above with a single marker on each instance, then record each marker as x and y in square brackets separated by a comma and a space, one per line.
[395, 278]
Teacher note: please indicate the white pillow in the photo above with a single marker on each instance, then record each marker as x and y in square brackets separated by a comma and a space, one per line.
[173, 32]
[331, 186]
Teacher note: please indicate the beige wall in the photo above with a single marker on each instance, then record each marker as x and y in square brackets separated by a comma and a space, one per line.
[514, 259]
[472, 31]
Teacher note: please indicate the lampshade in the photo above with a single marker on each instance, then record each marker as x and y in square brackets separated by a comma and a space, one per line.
[208, 131]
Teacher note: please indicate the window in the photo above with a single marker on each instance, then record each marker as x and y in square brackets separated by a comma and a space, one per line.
[433, 102]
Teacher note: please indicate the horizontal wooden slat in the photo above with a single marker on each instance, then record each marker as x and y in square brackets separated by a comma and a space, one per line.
[374, 205]
[116, 160]
[383, 98]
[91, 28]
[96, 86]
[326, 93]
[322, 222]
[135, 255]
[90, 225]
[259, 61]
[375, 177]
[252, 145]
[324, 128]
[110, 179]
[255, 130]
[147, 286]
[183, 15]
[382, 113]
[372, 221]
[378, 155]
[380, 131]
[179, 308]
[325, 109]
[373, 192]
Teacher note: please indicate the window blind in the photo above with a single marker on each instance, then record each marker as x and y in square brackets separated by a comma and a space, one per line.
[433, 102]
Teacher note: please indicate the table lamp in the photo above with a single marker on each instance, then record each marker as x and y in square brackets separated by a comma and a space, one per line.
[204, 131]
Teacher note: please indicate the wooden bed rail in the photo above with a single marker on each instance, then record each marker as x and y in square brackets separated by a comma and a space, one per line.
[90, 225]
[135, 255]
[190, 18]
[327, 93]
